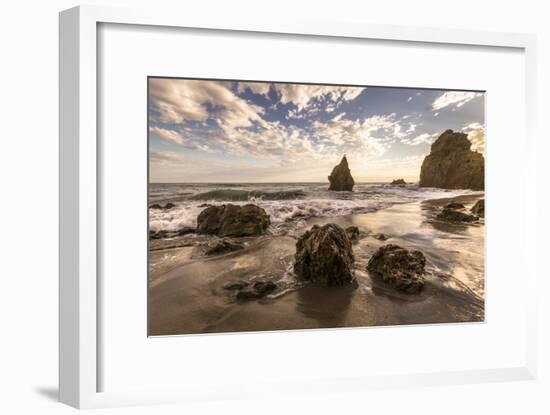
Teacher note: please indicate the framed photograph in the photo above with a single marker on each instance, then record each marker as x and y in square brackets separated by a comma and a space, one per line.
[240, 201]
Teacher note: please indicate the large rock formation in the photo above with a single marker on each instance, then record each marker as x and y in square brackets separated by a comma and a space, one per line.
[452, 165]
[232, 220]
[324, 255]
[402, 269]
[340, 179]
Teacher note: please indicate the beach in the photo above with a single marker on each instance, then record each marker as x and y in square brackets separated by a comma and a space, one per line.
[188, 291]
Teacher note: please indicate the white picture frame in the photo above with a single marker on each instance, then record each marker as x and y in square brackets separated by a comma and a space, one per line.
[78, 348]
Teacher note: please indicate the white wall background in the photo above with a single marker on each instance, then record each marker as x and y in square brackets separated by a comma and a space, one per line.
[28, 208]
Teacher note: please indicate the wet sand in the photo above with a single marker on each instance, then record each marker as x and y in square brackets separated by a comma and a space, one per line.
[186, 294]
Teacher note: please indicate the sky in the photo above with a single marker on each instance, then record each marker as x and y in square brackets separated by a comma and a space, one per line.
[228, 131]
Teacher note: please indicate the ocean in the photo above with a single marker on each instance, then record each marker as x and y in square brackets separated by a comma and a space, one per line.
[286, 203]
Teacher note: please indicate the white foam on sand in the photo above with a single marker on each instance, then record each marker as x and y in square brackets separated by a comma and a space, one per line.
[314, 203]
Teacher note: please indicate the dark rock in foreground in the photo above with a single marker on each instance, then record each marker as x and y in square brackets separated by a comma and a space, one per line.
[452, 215]
[452, 165]
[479, 208]
[340, 179]
[402, 269]
[324, 255]
[398, 182]
[232, 220]
[258, 290]
[221, 246]
[454, 205]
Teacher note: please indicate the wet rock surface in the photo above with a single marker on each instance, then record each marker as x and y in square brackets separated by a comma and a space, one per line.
[236, 285]
[479, 208]
[381, 236]
[452, 165]
[221, 246]
[398, 182]
[324, 255]
[233, 220]
[258, 290]
[402, 269]
[353, 233]
[341, 179]
[454, 205]
[164, 234]
[453, 215]
[167, 206]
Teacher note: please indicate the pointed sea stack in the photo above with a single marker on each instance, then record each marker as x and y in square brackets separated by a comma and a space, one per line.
[452, 165]
[340, 179]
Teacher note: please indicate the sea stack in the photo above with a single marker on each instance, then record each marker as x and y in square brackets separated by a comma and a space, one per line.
[452, 165]
[340, 179]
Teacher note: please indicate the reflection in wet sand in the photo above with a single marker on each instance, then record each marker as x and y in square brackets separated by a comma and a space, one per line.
[187, 293]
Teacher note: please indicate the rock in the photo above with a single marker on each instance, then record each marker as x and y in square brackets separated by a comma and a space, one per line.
[398, 182]
[232, 220]
[237, 285]
[454, 205]
[452, 215]
[452, 165]
[381, 236]
[165, 207]
[259, 289]
[158, 234]
[353, 233]
[185, 231]
[221, 246]
[324, 255]
[340, 179]
[402, 269]
[479, 208]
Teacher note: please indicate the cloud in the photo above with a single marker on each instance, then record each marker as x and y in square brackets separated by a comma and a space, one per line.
[303, 95]
[179, 101]
[165, 159]
[367, 138]
[457, 98]
[409, 99]
[476, 135]
[166, 135]
[260, 88]
[424, 138]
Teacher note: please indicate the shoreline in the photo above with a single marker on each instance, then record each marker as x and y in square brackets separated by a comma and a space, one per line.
[186, 294]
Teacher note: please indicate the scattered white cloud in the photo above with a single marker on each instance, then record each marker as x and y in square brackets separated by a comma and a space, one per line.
[457, 98]
[436, 114]
[181, 100]
[170, 156]
[260, 88]
[368, 138]
[476, 135]
[303, 95]
[166, 135]
[424, 138]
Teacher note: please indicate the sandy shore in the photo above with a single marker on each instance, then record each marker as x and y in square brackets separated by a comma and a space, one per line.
[186, 293]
